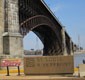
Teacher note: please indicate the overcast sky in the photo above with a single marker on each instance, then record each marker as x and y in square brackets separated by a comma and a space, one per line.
[71, 13]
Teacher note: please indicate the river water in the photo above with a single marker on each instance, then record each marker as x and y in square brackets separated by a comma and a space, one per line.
[78, 59]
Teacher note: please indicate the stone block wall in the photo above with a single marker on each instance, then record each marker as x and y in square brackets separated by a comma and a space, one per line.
[10, 39]
[1, 25]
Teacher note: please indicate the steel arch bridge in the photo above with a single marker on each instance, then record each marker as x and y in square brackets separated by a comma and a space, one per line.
[23, 16]
[34, 15]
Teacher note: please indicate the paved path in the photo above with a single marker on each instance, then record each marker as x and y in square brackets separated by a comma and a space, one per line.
[37, 77]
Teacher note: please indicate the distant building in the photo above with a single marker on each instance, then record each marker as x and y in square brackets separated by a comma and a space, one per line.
[33, 52]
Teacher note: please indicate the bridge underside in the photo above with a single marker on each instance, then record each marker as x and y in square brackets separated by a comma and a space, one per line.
[34, 16]
[22, 16]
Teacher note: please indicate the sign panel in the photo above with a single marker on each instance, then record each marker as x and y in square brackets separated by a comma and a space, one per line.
[48, 65]
[10, 62]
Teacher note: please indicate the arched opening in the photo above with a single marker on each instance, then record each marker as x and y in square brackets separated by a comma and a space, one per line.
[32, 44]
[33, 17]
[48, 38]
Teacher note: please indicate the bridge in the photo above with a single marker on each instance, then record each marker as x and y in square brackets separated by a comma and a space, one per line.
[18, 17]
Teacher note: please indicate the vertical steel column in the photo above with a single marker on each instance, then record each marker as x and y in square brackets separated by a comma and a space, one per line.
[18, 70]
[7, 71]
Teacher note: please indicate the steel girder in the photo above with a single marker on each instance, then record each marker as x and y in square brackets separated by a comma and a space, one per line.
[34, 16]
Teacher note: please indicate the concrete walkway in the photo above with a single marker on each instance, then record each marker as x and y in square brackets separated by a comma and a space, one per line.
[14, 73]
[37, 77]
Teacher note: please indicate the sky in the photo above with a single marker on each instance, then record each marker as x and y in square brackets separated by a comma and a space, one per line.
[71, 14]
